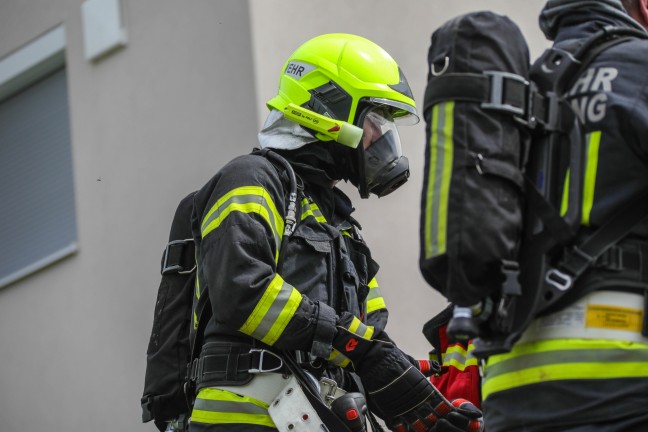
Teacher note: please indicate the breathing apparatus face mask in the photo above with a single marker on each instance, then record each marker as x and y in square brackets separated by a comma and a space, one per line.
[382, 168]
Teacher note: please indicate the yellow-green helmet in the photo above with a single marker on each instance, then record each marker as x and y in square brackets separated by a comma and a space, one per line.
[334, 76]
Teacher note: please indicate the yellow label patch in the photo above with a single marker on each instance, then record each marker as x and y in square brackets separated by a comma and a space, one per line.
[613, 317]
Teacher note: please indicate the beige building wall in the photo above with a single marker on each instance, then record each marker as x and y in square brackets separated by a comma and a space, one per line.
[149, 123]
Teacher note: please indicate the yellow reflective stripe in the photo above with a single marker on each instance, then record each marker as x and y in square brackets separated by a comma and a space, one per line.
[376, 304]
[195, 314]
[358, 328]
[245, 199]
[215, 406]
[311, 209]
[272, 313]
[562, 372]
[440, 163]
[460, 364]
[564, 204]
[338, 359]
[564, 359]
[375, 301]
[589, 183]
[459, 357]
[593, 143]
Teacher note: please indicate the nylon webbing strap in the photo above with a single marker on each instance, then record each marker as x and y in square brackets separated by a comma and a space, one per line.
[499, 91]
[581, 257]
[561, 231]
[471, 87]
[233, 364]
[467, 87]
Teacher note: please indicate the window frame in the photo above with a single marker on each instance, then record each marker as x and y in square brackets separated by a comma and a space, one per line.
[18, 70]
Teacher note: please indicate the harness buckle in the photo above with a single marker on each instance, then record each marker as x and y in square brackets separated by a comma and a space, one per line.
[559, 280]
[262, 359]
[497, 95]
[611, 260]
[175, 267]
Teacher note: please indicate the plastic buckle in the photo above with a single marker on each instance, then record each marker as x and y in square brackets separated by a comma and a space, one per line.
[511, 272]
[560, 280]
[611, 260]
[177, 268]
[496, 96]
[260, 368]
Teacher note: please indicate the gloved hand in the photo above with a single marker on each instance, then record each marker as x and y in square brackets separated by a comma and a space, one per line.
[399, 393]
[459, 415]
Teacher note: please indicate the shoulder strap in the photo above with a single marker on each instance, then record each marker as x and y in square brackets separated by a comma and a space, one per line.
[580, 257]
[602, 40]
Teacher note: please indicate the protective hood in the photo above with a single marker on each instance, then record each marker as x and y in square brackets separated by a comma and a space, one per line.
[282, 134]
[323, 163]
[575, 12]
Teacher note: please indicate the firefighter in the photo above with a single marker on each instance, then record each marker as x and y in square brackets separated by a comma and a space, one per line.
[585, 367]
[334, 118]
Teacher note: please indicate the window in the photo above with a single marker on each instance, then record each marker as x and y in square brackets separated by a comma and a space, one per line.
[37, 211]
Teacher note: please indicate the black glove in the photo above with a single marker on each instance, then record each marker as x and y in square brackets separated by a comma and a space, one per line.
[399, 393]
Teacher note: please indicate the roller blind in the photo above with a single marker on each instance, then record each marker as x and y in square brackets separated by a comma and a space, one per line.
[37, 210]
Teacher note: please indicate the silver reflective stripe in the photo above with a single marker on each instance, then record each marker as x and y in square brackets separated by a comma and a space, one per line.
[275, 310]
[228, 407]
[562, 360]
[311, 209]
[606, 357]
[440, 170]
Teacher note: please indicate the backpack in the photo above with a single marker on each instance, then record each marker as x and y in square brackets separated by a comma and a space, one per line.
[501, 138]
[169, 350]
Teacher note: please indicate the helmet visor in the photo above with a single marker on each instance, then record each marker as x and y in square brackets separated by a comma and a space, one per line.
[402, 113]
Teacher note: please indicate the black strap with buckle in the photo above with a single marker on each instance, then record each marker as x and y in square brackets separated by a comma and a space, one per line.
[504, 92]
[179, 257]
[595, 250]
[233, 365]
[625, 257]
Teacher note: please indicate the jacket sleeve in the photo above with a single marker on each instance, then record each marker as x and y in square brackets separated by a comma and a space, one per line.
[377, 313]
[241, 227]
